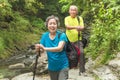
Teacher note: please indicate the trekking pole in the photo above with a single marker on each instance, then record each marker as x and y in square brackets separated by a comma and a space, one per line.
[36, 62]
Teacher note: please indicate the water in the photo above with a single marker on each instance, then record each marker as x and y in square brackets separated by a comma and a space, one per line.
[5, 72]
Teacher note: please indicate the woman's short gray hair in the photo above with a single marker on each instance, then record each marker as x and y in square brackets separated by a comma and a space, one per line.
[52, 17]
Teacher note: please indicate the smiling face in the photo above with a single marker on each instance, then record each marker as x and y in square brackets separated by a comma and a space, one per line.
[73, 11]
[52, 25]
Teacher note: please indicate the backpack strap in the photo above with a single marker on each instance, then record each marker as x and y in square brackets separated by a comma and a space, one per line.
[78, 20]
[79, 31]
[79, 24]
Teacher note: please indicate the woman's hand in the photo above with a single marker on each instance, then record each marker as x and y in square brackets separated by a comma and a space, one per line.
[39, 47]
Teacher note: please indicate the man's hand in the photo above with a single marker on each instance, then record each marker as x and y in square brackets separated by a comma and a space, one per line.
[79, 28]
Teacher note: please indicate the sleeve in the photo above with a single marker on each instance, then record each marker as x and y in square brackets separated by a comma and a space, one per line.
[66, 21]
[63, 37]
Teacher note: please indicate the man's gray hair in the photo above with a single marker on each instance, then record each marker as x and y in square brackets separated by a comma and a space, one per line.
[74, 7]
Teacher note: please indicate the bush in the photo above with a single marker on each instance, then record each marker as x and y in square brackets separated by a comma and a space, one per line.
[105, 37]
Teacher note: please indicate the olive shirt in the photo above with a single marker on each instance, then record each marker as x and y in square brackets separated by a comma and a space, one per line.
[73, 34]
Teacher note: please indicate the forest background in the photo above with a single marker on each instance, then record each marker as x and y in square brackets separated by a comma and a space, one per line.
[22, 24]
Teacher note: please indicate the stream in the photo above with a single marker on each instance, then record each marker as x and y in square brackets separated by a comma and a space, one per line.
[5, 72]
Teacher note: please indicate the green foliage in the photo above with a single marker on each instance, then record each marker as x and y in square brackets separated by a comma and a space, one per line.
[30, 7]
[49, 9]
[65, 4]
[105, 33]
[82, 5]
[17, 30]
[1, 45]
[5, 7]
[37, 22]
[33, 6]
[6, 42]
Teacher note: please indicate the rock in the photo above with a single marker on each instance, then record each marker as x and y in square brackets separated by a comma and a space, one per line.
[104, 73]
[115, 66]
[89, 65]
[74, 75]
[115, 63]
[4, 79]
[17, 66]
[29, 76]
[118, 55]
[42, 65]
[84, 78]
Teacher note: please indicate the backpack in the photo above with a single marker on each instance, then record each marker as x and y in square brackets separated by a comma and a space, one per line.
[72, 52]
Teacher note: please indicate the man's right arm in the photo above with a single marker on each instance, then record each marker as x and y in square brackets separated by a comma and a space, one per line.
[79, 28]
[68, 26]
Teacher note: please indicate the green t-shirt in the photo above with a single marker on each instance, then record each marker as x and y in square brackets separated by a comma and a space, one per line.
[73, 34]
